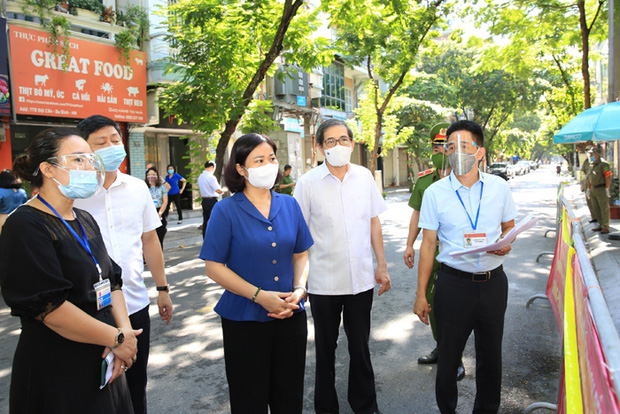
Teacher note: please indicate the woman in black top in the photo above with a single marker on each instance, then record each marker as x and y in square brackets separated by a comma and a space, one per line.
[50, 254]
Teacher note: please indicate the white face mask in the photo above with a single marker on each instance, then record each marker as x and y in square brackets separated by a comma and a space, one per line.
[338, 155]
[263, 177]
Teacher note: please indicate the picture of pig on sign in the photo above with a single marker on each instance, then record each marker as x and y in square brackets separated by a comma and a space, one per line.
[133, 91]
[40, 79]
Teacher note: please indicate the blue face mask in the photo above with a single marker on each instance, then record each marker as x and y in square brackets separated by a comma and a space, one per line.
[112, 156]
[592, 159]
[170, 171]
[82, 184]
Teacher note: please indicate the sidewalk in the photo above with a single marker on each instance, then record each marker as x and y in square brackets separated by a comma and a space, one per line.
[604, 252]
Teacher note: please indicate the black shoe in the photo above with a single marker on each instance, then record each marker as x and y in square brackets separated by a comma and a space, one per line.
[430, 358]
[460, 372]
[593, 221]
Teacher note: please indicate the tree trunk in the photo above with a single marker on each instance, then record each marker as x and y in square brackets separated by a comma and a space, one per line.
[289, 11]
[585, 51]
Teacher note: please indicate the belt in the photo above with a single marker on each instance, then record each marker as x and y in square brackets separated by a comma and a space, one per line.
[475, 277]
[598, 186]
[209, 198]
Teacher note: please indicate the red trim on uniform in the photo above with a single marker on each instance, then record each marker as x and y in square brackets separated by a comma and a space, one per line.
[423, 173]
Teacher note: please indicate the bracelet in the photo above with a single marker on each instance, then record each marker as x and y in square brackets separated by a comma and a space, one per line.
[255, 295]
[300, 287]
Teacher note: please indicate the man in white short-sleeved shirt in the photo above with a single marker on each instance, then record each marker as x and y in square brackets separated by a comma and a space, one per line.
[127, 217]
[341, 204]
[467, 209]
[209, 191]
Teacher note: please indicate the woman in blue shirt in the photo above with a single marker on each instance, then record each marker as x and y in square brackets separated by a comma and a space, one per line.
[174, 193]
[256, 247]
[11, 195]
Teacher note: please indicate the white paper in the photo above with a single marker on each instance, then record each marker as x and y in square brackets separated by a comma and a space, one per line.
[527, 223]
[108, 373]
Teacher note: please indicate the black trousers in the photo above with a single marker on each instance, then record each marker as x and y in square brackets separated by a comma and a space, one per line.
[265, 364]
[207, 206]
[355, 310]
[136, 375]
[463, 306]
[161, 231]
[176, 199]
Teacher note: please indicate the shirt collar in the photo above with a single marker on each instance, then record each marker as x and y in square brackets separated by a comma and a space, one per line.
[323, 171]
[456, 184]
[121, 179]
[246, 205]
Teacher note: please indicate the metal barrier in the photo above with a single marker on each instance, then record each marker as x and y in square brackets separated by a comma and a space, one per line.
[609, 339]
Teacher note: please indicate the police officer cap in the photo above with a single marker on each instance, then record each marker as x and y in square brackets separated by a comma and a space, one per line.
[438, 133]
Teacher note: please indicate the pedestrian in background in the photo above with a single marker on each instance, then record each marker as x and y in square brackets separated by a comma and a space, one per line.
[126, 214]
[11, 195]
[256, 247]
[425, 179]
[599, 181]
[287, 184]
[467, 209]
[209, 191]
[341, 204]
[586, 167]
[174, 193]
[159, 195]
[57, 277]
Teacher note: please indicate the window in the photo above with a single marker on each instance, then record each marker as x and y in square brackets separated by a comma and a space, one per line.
[333, 87]
[348, 100]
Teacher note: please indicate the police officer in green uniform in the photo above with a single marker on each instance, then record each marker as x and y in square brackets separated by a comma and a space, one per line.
[287, 184]
[425, 179]
[585, 171]
[599, 181]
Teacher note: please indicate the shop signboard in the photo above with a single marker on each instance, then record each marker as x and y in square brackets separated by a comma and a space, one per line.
[93, 81]
[5, 100]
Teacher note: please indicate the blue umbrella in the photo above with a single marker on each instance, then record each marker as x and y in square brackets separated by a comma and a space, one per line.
[601, 123]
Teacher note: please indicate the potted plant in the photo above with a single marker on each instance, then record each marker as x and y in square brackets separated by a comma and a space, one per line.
[89, 9]
[108, 15]
[135, 20]
[56, 25]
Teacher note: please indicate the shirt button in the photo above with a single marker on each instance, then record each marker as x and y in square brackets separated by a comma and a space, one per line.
[273, 244]
[269, 228]
[276, 278]
[274, 261]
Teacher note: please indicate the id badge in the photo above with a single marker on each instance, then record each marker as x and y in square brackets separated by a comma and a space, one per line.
[103, 293]
[473, 240]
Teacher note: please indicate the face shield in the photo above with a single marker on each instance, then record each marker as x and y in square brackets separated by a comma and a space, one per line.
[462, 154]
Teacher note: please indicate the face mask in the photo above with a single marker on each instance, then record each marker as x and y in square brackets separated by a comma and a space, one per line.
[338, 156]
[592, 159]
[170, 171]
[112, 156]
[462, 162]
[82, 184]
[263, 177]
[440, 161]
[152, 179]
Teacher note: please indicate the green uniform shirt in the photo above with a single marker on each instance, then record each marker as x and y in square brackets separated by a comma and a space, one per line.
[287, 180]
[415, 201]
[597, 174]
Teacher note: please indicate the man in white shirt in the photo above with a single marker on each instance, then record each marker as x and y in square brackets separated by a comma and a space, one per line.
[467, 209]
[209, 190]
[127, 217]
[341, 204]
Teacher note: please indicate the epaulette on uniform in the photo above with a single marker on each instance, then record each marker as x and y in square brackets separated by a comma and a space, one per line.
[423, 173]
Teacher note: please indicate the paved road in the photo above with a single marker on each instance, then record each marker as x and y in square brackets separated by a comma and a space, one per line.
[187, 369]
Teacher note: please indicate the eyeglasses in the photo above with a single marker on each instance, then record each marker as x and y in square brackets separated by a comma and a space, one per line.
[83, 161]
[331, 142]
[464, 146]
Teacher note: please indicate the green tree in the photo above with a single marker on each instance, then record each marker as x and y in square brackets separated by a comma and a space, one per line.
[385, 38]
[224, 50]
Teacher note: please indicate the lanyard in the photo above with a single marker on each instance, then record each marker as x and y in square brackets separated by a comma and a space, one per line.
[83, 240]
[479, 203]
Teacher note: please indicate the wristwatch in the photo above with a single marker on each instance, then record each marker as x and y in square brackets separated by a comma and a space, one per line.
[119, 339]
[163, 288]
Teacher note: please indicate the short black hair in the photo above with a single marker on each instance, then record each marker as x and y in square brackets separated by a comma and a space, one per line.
[239, 154]
[320, 132]
[173, 167]
[209, 164]
[94, 123]
[8, 180]
[287, 167]
[44, 146]
[466, 125]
